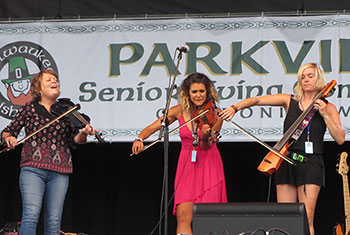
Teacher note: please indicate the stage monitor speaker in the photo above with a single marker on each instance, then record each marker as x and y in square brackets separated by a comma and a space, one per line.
[250, 218]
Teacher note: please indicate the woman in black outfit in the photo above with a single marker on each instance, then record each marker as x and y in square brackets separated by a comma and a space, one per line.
[303, 182]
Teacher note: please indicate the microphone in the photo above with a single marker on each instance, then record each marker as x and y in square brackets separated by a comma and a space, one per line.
[184, 48]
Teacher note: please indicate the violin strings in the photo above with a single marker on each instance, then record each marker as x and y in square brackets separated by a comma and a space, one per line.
[85, 122]
[81, 118]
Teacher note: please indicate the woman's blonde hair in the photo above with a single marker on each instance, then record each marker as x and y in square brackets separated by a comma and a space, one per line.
[184, 96]
[298, 90]
[35, 84]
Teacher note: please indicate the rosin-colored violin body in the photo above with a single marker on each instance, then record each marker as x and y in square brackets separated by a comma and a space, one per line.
[209, 118]
[272, 162]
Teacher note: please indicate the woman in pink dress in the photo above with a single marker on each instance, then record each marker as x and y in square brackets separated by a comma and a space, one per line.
[200, 174]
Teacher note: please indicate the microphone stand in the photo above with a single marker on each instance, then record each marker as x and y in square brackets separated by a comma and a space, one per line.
[164, 131]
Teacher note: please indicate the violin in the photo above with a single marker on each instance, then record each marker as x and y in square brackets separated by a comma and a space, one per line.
[210, 117]
[271, 161]
[71, 109]
[78, 120]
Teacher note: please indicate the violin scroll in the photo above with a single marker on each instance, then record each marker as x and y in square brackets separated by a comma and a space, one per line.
[328, 88]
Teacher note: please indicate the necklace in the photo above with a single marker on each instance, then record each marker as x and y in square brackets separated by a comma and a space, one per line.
[301, 104]
[195, 135]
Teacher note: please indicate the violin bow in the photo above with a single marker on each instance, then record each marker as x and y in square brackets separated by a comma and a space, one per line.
[275, 151]
[175, 129]
[77, 106]
[262, 143]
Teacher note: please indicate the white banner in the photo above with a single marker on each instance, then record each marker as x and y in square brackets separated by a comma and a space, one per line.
[118, 71]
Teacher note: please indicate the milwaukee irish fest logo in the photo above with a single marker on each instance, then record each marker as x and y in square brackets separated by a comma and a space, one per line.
[19, 62]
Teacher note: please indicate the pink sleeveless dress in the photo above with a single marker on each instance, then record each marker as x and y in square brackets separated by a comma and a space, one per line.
[202, 181]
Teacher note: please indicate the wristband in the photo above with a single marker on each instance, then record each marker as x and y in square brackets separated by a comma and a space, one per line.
[139, 139]
[235, 108]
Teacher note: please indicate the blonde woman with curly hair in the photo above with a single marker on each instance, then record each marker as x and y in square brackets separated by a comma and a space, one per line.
[301, 183]
[200, 174]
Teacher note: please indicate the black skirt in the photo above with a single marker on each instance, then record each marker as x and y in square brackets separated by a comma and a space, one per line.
[310, 171]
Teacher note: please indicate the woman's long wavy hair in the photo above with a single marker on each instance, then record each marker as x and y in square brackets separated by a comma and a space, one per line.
[298, 90]
[35, 84]
[184, 96]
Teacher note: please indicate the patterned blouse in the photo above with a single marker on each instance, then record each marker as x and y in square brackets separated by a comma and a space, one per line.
[49, 149]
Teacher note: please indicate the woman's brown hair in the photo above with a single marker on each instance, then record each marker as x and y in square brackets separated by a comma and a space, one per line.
[35, 85]
[184, 96]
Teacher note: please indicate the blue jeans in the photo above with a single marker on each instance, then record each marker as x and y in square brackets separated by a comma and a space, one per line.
[36, 185]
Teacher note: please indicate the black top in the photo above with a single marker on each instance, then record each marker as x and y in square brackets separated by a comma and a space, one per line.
[317, 129]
